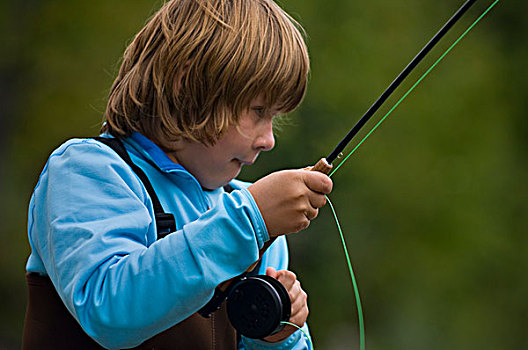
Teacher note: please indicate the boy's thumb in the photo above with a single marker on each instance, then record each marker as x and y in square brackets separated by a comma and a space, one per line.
[270, 271]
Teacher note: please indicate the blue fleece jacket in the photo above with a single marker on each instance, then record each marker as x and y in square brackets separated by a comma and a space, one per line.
[91, 230]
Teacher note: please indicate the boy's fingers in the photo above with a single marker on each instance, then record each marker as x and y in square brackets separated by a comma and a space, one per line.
[298, 297]
[270, 271]
[317, 200]
[317, 182]
[299, 303]
[311, 213]
[287, 278]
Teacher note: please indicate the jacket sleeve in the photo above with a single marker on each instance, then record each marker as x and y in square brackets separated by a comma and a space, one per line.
[277, 257]
[91, 230]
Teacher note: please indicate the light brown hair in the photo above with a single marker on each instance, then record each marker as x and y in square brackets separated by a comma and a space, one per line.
[197, 64]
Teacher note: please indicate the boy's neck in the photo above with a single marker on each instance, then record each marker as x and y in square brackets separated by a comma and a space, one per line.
[173, 158]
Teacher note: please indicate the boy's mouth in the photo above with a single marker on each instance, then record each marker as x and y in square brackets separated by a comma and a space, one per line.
[246, 162]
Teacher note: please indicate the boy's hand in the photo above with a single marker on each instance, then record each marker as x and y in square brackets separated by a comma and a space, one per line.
[289, 199]
[299, 303]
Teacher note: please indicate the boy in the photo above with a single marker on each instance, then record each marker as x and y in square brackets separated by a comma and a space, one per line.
[193, 102]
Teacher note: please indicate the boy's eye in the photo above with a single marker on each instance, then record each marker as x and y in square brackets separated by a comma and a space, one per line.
[259, 110]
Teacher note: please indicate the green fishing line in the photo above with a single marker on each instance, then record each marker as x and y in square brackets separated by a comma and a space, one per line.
[351, 271]
[416, 84]
[353, 278]
[299, 328]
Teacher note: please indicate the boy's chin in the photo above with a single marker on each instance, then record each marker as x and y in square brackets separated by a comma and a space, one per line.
[213, 185]
[222, 179]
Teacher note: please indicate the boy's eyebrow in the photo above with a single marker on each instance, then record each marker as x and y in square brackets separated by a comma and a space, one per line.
[273, 111]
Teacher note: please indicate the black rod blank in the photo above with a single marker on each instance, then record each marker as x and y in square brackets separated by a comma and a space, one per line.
[416, 60]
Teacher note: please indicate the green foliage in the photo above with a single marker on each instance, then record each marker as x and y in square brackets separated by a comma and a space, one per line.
[433, 205]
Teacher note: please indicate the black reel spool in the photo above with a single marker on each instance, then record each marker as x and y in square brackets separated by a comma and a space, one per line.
[257, 305]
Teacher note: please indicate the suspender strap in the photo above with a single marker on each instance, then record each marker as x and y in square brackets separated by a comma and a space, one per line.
[165, 222]
[228, 188]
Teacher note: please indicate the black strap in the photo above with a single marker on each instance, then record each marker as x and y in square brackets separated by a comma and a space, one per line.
[228, 188]
[165, 222]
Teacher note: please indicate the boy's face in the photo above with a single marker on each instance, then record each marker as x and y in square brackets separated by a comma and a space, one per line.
[214, 166]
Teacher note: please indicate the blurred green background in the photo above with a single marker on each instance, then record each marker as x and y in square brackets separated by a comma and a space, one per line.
[434, 205]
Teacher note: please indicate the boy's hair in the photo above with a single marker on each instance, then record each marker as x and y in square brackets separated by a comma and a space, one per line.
[197, 64]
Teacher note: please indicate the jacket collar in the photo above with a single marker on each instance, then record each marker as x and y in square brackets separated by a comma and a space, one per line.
[153, 153]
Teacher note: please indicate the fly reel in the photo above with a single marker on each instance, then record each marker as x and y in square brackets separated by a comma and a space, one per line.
[256, 305]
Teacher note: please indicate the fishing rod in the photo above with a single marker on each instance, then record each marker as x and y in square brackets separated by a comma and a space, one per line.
[324, 165]
[242, 293]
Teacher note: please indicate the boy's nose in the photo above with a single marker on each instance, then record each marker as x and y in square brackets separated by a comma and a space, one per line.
[265, 141]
